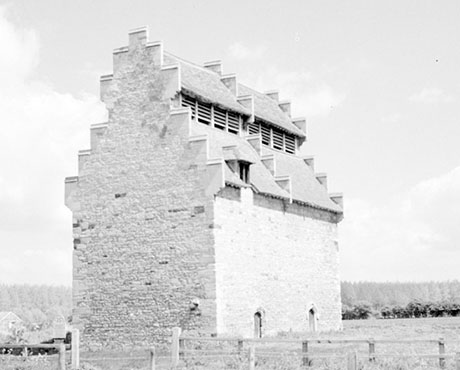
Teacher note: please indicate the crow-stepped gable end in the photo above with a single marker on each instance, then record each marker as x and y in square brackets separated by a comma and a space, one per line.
[193, 208]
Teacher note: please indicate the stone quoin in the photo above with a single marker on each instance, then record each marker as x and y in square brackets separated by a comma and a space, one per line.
[194, 208]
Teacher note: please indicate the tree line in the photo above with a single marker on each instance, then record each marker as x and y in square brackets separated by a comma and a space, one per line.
[362, 300]
[36, 305]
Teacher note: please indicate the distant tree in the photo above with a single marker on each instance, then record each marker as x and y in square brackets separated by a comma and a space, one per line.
[362, 311]
[387, 312]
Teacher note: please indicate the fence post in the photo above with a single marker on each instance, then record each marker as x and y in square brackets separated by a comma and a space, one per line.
[61, 359]
[240, 346]
[457, 361]
[175, 347]
[152, 358]
[252, 357]
[371, 349]
[181, 348]
[442, 350]
[305, 360]
[352, 361]
[75, 349]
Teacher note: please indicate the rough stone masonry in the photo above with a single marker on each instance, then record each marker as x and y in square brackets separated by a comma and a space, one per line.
[184, 215]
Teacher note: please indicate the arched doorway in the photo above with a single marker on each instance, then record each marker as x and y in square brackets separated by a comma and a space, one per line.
[257, 325]
[312, 319]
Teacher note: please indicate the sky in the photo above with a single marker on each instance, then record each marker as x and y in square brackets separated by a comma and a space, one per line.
[378, 82]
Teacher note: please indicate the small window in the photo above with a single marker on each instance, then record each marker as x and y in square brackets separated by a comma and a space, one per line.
[244, 172]
[312, 319]
[257, 325]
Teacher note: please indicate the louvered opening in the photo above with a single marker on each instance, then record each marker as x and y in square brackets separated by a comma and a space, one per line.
[233, 123]
[220, 118]
[274, 137]
[289, 143]
[278, 139]
[266, 135]
[187, 101]
[204, 113]
[254, 128]
[211, 115]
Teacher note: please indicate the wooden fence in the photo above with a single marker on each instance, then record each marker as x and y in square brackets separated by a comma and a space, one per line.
[246, 348]
[178, 350]
[25, 348]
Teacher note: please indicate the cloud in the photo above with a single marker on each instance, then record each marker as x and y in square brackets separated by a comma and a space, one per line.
[42, 130]
[309, 95]
[432, 96]
[241, 52]
[413, 237]
[392, 118]
[19, 51]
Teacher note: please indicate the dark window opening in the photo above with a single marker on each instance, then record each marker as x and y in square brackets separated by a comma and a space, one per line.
[244, 172]
[312, 318]
[257, 325]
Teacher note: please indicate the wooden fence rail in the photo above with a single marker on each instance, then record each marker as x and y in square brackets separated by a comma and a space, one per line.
[60, 347]
[178, 347]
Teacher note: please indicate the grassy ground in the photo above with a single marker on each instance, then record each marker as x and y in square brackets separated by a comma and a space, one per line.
[287, 356]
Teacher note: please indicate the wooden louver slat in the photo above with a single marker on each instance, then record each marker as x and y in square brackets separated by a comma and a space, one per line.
[187, 101]
[254, 128]
[289, 143]
[220, 118]
[266, 135]
[278, 139]
[204, 113]
[233, 123]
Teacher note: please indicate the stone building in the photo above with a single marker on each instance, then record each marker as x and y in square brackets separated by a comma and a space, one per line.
[193, 208]
[8, 320]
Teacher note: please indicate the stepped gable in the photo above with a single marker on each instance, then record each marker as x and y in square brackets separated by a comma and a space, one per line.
[268, 109]
[206, 84]
[305, 187]
[260, 178]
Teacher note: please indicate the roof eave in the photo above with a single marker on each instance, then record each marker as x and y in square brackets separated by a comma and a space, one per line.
[194, 94]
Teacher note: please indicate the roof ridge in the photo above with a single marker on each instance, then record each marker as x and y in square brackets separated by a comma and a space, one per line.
[189, 63]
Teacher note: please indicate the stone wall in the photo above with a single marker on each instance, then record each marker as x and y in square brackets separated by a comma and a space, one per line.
[276, 258]
[143, 245]
[154, 247]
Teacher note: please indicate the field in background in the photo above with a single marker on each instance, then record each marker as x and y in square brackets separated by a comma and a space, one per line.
[397, 329]
[433, 328]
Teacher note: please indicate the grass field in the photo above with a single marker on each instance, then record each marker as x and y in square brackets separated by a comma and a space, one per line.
[287, 356]
[447, 327]
[283, 356]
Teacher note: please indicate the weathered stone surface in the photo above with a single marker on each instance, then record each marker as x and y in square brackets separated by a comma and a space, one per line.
[158, 245]
[276, 257]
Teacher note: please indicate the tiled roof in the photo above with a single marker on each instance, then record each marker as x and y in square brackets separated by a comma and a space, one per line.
[305, 187]
[268, 109]
[206, 84]
[5, 314]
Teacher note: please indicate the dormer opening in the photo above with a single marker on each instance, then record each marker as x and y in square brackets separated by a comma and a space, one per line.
[244, 171]
[241, 168]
